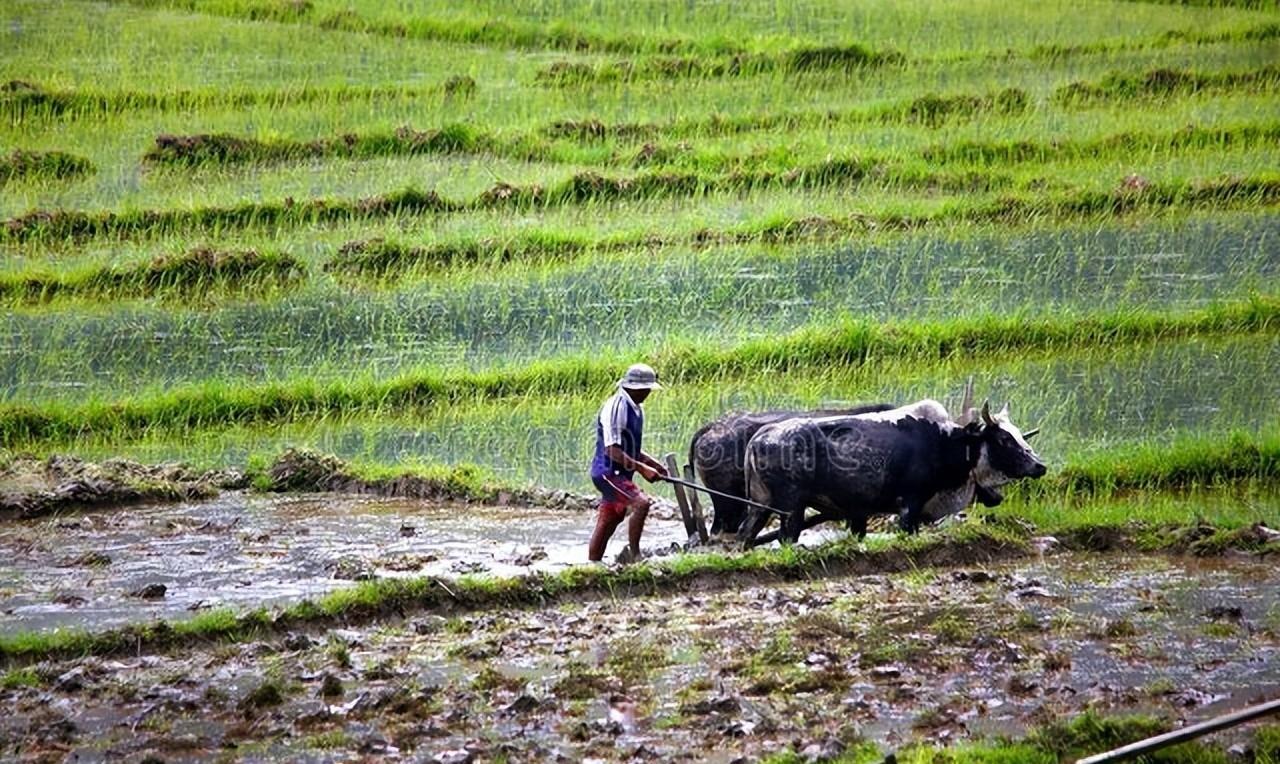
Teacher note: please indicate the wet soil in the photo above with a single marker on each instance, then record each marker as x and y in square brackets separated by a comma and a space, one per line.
[929, 655]
[31, 487]
[102, 568]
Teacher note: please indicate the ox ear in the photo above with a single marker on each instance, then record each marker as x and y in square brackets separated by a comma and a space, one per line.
[1029, 434]
[986, 413]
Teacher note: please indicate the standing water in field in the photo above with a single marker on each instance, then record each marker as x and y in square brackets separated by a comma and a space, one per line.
[1083, 401]
[94, 569]
[513, 315]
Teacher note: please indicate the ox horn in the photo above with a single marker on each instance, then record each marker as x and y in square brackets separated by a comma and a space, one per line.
[966, 404]
[986, 413]
[1029, 434]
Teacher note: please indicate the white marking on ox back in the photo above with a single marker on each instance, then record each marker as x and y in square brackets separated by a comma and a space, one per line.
[927, 410]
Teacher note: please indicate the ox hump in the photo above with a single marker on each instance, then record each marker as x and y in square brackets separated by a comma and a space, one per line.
[927, 410]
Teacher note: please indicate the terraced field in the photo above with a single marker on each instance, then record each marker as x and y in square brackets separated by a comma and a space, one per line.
[425, 238]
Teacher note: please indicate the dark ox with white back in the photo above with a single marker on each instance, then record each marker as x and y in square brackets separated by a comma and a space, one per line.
[888, 463]
[718, 454]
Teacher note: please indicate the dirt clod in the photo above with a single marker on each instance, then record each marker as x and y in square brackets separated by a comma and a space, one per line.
[150, 592]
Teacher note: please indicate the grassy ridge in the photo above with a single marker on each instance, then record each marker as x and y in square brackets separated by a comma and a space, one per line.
[221, 148]
[1183, 464]
[1191, 136]
[21, 100]
[1163, 83]
[929, 109]
[590, 188]
[226, 149]
[372, 599]
[839, 58]
[190, 273]
[847, 342]
[457, 29]
[20, 164]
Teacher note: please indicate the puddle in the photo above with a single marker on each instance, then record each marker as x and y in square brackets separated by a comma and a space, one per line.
[246, 551]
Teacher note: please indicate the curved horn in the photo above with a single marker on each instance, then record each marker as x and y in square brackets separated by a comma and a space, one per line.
[1029, 434]
[1004, 412]
[986, 413]
[966, 404]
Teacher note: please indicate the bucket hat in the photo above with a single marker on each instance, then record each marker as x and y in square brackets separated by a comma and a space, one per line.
[640, 376]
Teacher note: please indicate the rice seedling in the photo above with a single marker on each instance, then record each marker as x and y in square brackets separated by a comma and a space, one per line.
[426, 238]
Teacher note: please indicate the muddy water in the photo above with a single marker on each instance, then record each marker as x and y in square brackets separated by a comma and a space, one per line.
[931, 655]
[244, 551]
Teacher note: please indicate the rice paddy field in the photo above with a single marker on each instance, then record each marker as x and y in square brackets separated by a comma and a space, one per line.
[309, 306]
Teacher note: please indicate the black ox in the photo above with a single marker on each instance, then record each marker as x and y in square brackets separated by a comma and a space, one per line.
[854, 467]
[718, 452]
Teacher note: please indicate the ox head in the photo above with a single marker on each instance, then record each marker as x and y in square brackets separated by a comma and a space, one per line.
[1004, 454]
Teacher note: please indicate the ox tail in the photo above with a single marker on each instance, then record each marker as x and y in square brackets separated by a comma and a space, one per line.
[754, 519]
[749, 477]
[693, 446]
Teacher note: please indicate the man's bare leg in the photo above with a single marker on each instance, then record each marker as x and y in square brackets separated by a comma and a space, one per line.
[635, 528]
[605, 526]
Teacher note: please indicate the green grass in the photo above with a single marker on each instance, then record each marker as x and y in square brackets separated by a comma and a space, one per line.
[670, 28]
[850, 342]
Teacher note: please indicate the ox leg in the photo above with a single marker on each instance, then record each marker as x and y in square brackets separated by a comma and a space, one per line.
[756, 520]
[911, 515]
[856, 522]
[795, 523]
[729, 515]
[809, 522]
[789, 502]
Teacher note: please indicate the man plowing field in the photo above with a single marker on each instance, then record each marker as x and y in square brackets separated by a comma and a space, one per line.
[619, 435]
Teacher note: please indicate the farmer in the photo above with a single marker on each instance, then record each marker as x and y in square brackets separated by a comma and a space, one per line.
[619, 430]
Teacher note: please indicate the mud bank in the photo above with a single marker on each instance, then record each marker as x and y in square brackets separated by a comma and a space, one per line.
[31, 487]
[844, 664]
[304, 470]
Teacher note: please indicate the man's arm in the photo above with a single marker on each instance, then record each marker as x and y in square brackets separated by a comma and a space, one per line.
[646, 465]
[652, 462]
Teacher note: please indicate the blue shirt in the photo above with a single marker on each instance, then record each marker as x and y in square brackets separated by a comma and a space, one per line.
[621, 423]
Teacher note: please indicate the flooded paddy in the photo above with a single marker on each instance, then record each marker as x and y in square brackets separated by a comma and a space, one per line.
[101, 569]
[510, 316]
[1084, 402]
[934, 655]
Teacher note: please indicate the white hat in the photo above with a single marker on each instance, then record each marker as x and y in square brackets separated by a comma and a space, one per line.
[640, 376]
